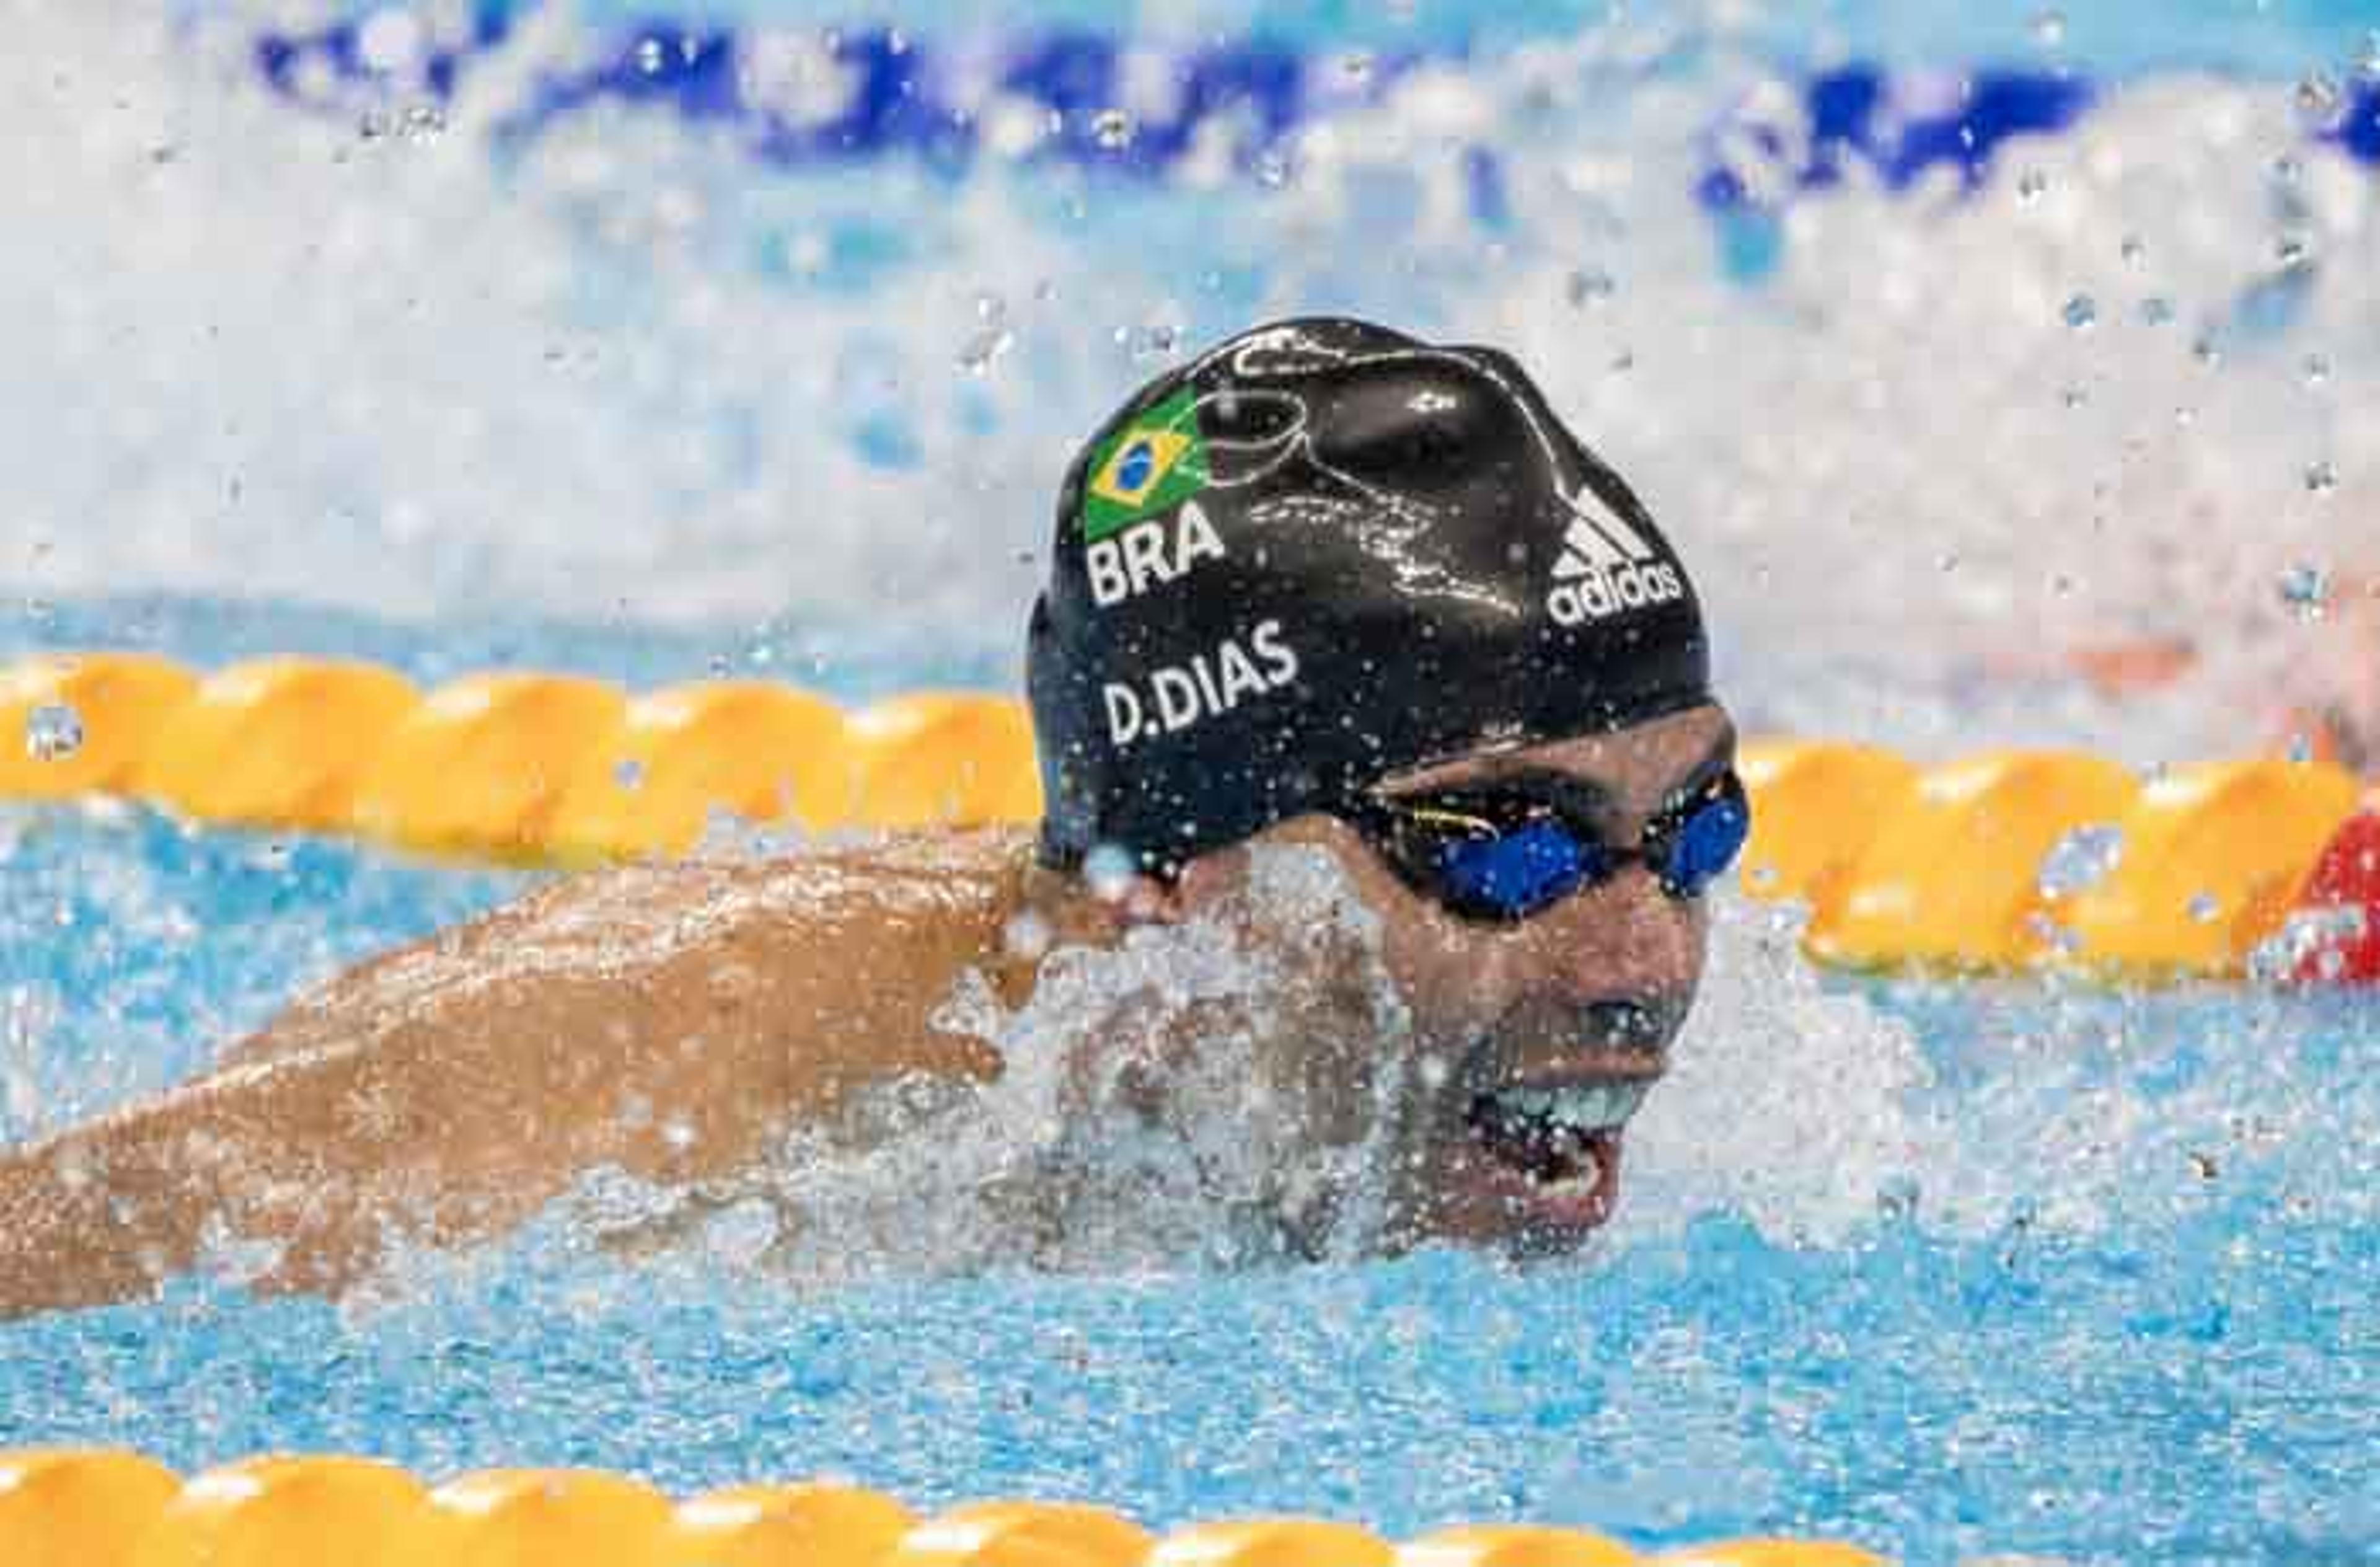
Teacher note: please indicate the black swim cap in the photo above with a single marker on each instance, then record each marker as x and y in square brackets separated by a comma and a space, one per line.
[1321, 553]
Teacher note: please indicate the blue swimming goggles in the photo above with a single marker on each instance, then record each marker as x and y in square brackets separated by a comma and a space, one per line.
[1512, 849]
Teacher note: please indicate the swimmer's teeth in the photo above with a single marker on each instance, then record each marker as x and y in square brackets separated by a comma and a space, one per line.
[1555, 1135]
[1586, 1108]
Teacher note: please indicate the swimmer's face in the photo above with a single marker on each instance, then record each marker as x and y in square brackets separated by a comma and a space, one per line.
[1533, 1042]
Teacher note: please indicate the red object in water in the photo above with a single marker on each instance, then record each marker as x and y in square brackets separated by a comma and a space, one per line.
[2345, 877]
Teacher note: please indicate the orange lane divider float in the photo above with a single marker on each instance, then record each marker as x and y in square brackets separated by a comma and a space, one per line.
[2053, 861]
[2007, 861]
[96, 1508]
[515, 767]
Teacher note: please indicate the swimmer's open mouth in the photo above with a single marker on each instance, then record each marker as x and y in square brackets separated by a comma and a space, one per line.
[1557, 1136]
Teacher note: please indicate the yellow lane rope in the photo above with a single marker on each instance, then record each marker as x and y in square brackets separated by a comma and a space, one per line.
[2008, 860]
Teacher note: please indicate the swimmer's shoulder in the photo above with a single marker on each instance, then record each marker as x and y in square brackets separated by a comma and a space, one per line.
[822, 906]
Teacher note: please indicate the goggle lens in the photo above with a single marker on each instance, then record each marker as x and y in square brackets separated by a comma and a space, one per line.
[1508, 856]
[1707, 841]
[1514, 873]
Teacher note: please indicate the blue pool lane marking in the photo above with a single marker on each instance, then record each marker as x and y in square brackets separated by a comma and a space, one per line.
[1901, 130]
[908, 96]
[291, 63]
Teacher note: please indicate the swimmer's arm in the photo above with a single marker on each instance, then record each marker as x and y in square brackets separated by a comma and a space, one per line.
[667, 1026]
[318, 1156]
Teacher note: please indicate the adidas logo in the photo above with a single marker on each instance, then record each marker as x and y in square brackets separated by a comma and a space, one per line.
[1606, 568]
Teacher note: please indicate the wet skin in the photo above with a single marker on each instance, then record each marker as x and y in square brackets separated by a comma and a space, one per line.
[677, 1023]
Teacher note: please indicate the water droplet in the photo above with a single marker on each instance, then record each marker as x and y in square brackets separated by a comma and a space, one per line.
[2135, 251]
[2317, 369]
[1898, 1198]
[1949, 562]
[2079, 860]
[1589, 286]
[2050, 29]
[2076, 396]
[2156, 310]
[1027, 936]
[2208, 352]
[2291, 251]
[2286, 168]
[651, 55]
[978, 355]
[52, 732]
[2305, 589]
[1108, 871]
[2030, 186]
[629, 773]
[2321, 478]
[2053, 936]
[422, 124]
[2318, 99]
[2367, 58]
[1112, 128]
[1272, 168]
[2081, 312]
[1356, 65]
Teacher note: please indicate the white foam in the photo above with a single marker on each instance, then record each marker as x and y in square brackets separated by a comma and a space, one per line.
[1785, 1104]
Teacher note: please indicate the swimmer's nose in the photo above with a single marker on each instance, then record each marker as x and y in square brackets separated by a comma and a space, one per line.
[1627, 937]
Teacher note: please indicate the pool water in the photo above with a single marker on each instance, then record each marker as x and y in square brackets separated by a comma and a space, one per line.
[516, 361]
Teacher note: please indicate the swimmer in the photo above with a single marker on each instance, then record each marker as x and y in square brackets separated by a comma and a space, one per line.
[1327, 591]
[2328, 679]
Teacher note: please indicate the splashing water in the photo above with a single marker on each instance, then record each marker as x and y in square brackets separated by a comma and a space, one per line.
[52, 732]
[1957, 1271]
[1153, 1111]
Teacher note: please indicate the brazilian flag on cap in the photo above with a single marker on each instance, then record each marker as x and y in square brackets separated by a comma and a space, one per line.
[1158, 461]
